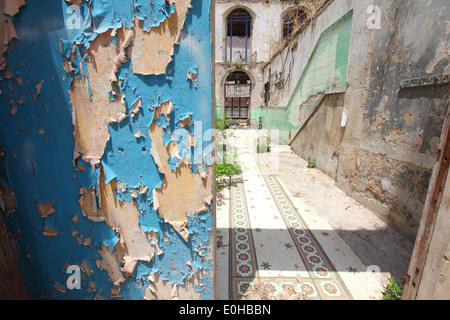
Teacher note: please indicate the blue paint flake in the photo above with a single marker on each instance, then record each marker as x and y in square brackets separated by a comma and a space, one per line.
[40, 167]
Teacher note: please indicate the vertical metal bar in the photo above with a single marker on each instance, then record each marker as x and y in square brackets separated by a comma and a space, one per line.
[288, 28]
[268, 93]
[270, 74]
[249, 101]
[246, 35]
[231, 37]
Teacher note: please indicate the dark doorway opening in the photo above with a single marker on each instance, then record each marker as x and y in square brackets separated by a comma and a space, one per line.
[237, 95]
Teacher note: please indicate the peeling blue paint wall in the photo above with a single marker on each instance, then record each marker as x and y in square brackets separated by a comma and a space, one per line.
[38, 165]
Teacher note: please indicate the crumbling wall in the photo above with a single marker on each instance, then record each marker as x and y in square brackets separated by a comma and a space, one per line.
[392, 136]
[319, 138]
[106, 114]
[315, 61]
[396, 96]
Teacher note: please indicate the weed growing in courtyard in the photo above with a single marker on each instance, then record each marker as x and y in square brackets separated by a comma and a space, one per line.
[311, 162]
[263, 144]
[392, 291]
[229, 167]
[223, 122]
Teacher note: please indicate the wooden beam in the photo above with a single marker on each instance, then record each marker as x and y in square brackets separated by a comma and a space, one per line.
[429, 216]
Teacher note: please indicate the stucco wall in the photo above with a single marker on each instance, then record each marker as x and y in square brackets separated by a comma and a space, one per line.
[392, 134]
[391, 137]
[101, 106]
[325, 69]
[320, 137]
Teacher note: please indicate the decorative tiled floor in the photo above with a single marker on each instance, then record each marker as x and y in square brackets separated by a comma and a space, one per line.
[272, 246]
[276, 247]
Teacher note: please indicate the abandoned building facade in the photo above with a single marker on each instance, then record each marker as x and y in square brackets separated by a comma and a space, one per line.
[361, 87]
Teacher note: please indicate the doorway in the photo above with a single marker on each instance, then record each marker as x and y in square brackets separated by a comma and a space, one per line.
[237, 96]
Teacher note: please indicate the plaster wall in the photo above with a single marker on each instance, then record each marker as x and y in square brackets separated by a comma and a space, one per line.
[101, 107]
[320, 136]
[289, 64]
[391, 134]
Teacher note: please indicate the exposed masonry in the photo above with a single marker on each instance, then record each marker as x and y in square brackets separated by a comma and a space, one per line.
[120, 204]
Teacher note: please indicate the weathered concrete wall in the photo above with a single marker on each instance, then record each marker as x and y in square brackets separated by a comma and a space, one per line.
[105, 120]
[392, 127]
[315, 61]
[392, 134]
[320, 137]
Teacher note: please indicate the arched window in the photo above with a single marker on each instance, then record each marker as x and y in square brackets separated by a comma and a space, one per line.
[239, 23]
[237, 95]
[292, 21]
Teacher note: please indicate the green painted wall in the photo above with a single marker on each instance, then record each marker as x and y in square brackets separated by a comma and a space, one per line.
[326, 71]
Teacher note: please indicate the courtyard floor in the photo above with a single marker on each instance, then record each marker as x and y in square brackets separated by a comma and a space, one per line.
[285, 231]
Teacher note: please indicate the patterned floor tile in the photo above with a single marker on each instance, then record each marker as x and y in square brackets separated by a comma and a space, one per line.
[273, 253]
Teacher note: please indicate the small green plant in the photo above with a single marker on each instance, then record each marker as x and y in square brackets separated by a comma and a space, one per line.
[229, 165]
[225, 171]
[392, 291]
[223, 122]
[263, 144]
[228, 168]
[311, 162]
